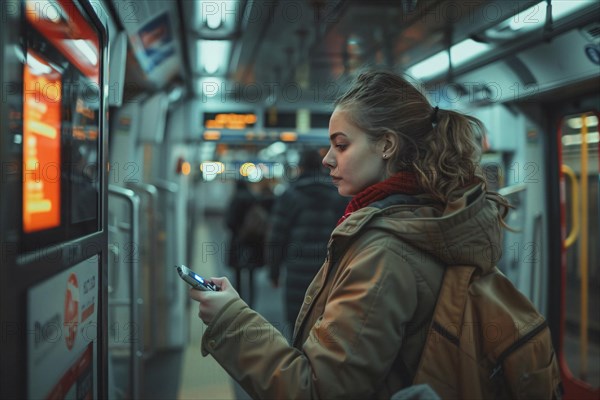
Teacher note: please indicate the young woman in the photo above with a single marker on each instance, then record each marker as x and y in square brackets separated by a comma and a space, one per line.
[418, 206]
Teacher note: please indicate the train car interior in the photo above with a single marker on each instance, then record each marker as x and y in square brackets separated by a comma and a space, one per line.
[125, 125]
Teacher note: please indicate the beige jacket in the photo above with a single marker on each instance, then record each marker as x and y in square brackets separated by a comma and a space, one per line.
[361, 329]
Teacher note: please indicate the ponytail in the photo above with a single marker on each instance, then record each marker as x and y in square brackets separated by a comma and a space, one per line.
[451, 160]
[450, 153]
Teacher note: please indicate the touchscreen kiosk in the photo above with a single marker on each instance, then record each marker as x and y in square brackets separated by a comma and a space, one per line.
[61, 183]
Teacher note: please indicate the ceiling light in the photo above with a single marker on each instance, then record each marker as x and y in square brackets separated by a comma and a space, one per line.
[572, 140]
[213, 55]
[88, 51]
[213, 20]
[217, 19]
[535, 16]
[438, 63]
[431, 66]
[467, 50]
[563, 8]
[576, 122]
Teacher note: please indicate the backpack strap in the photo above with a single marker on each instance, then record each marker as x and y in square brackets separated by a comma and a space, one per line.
[447, 315]
[450, 304]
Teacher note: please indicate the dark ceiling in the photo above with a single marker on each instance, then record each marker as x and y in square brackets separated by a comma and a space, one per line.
[312, 43]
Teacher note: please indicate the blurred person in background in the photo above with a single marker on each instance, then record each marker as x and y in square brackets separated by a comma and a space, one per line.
[301, 222]
[247, 219]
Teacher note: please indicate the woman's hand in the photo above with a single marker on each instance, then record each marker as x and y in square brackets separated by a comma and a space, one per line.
[212, 302]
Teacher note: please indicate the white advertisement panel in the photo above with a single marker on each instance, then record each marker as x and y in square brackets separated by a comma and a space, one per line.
[62, 325]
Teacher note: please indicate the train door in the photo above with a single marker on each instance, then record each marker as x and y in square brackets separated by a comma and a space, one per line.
[576, 239]
[53, 148]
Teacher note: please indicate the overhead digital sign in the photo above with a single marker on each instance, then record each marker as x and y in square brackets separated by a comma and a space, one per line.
[229, 120]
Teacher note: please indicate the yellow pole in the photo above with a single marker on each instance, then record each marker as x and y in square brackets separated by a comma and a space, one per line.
[583, 250]
[574, 233]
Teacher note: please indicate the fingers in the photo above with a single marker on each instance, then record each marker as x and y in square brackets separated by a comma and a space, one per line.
[210, 303]
[222, 282]
[196, 294]
[201, 295]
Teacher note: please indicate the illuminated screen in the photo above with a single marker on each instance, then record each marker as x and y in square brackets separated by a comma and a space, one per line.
[42, 144]
[61, 124]
[229, 120]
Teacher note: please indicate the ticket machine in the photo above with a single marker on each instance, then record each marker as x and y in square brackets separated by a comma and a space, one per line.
[53, 234]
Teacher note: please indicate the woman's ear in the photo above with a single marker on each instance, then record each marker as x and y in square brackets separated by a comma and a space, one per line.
[389, 144]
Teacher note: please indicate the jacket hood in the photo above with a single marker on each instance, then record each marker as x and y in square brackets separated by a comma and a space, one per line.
[465, 231]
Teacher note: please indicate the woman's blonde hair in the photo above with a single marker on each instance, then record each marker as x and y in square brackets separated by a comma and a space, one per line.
[441, 146]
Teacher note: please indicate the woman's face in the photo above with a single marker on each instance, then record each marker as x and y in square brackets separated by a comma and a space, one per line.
[353, 160]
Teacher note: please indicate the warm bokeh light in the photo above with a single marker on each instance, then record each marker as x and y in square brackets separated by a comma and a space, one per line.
[247, 169]
[288, 136]
[186, 168]
[212, 135]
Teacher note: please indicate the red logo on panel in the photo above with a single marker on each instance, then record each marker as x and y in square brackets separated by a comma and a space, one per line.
[71, 310]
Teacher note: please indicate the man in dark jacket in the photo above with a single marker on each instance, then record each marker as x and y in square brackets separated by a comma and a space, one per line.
[246, 245]
[302, 220]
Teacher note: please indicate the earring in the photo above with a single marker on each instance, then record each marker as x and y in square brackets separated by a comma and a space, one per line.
[385, 156]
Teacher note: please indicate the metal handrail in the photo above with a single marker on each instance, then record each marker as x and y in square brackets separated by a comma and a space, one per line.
[152, 192]
[574, 233]
[583, 253]
[166, 186]
[135, 351]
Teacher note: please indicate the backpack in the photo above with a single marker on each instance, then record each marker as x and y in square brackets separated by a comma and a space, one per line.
[486, 340]
[254, 225]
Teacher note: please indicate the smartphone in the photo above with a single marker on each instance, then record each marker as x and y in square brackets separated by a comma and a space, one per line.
[195, 280]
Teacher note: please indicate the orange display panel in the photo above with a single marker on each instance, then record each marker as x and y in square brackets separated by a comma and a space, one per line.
[41, 144]
[229, 120]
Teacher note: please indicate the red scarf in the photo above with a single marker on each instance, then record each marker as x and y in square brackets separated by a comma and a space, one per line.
[403, 182]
